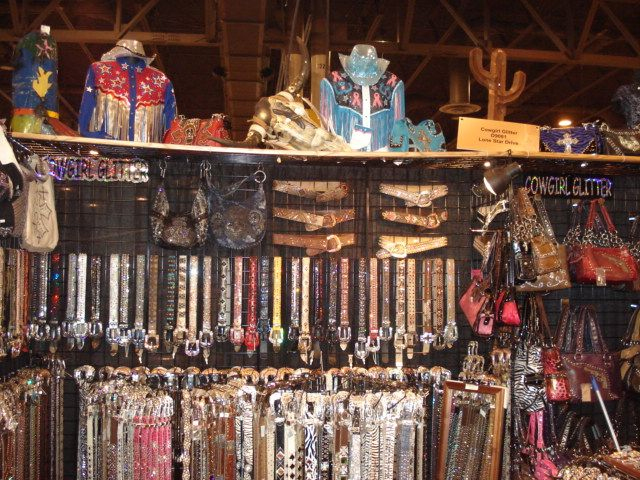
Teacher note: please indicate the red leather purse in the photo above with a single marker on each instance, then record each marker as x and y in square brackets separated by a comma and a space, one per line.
[600, 257]
[555, 377]
[473, 303]
[507, 309]
[195, 131]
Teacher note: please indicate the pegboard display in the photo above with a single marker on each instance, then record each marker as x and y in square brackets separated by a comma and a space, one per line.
[102, 219]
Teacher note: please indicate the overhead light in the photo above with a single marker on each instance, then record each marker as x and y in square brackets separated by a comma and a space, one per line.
[565, 122]
[487, 164]
[497, 180]
[94, 152]
[584, 164]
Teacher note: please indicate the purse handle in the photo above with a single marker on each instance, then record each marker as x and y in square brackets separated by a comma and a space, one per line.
[543, 217]
[259, 176]
[632, 335]
[593, 213]
[588, 316]
[563, 325]
[547, 338]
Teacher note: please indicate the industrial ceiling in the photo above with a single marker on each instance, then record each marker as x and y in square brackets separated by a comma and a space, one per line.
[223, 55]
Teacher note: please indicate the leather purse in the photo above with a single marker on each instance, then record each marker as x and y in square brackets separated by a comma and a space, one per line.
[630, 356]
[506, 309]
[581, 364]
[620, 141]
[195, 131]
[555, 377]
[473, 300]
[583, 139]
[238, 224]
[634, 248]
[599, 256]
[179, 230]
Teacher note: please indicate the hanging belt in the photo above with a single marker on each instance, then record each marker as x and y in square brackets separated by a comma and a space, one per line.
[386, 332]
[263, 318]
[139, 332]
[3, 330]
[344, 331]
[360, 349]
[399, 341]
[427, 329]
[451, 329]
[80, 328]
[192, 344]
[180, 332]
[55, 295]
[304, 341]
[318, 331]
[170, 303]
[373, 342]
[410, 336]
[420, 199]
[125, 329]
[251, 338]
[95, 324]
[152, 339]
[206, 335]
[438, 300]
[72, 297]
[294, 328]
[276, 336]
[224, 302]
[236, 335]
[332, 322]
[354, 439]
[113, 330]
[41, 282]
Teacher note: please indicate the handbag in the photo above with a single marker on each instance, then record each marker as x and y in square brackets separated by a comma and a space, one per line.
[179, 230]
[238, 224]
[634, 248]
[624, 141]
[195, 131]
[36, 222]
[597, 255]
[582, 139]
[541, 466]
[581, 364]
[555, 377]
[507, 308]
[630, 356]
[528, 385]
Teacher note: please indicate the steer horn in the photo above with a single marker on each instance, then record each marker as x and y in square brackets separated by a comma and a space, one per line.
[297, 83]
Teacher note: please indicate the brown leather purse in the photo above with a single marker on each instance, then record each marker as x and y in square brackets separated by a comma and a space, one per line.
[195, 131]
[580, 365]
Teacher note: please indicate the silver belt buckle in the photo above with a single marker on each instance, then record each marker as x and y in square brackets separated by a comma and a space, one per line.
[344, 336]
[360, 350]
[152, 343]
[191, 348]
[276, 337]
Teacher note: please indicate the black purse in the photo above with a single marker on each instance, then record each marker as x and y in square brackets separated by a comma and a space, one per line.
[621, 141]
[179, 230]
[238, 224]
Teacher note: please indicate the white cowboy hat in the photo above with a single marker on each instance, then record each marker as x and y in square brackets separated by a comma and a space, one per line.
[127, 48]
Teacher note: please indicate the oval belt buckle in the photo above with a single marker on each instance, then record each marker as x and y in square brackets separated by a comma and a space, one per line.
[398, 250]
[373, 344]
[276, 337]
[423, 200]
[338, 243]
[360, 350]
[439, 342]
[191, 347]
[151, 343]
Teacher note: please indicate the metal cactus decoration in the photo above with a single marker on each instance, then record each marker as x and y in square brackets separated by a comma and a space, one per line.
[495, 81]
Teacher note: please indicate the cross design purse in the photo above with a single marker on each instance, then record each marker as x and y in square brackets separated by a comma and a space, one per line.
[178, 230]
[238, 224]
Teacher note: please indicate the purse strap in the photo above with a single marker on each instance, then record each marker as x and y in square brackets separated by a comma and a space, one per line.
[259, 176]
[563, 325]
[632, 335]
[547, 338]
[587, 318]
[543, 217]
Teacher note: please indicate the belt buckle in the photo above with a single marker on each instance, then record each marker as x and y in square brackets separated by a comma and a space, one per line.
[137, 338]
[294, 333]
[152, 343]
[373, 344]
[329, 220]
[439, 342]
[113, 335]
[222, 333]
[335, 239]
[32, 331]
[332, 335]
[398, 250]
[251, 339]
[206, 342]
[80, 333]
[304, 346]
[191, 347]
[179, 338]
[360, 349]
[236, 336]
[423, 199]
[276, 337]
[95, 332]
[344, 336]
[385, 333]
[399, 339]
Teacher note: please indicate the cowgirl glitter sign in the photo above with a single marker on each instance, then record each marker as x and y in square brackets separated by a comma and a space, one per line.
[90, 169]
[569, 186]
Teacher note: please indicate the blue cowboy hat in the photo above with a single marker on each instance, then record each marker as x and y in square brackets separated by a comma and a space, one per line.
[363, 65]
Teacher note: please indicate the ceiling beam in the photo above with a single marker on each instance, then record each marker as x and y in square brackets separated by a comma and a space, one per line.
[53, 4]
[6, 96]
[586, 30]
[425, 61]
[67, 22]
[117, 24]
[144, 23]
[137, 17]
[408, 23]
[545, 27]
[68, 106]
[15, 16]
[460, 21]
[373, 29]
[628, 36]
[210, 19]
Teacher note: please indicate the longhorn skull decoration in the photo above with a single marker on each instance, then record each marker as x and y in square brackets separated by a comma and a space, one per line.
[281, 121]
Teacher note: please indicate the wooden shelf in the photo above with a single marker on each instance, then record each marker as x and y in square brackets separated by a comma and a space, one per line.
[549, 162]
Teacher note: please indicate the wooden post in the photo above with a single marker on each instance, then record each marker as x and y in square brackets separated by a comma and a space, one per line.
[495, 80]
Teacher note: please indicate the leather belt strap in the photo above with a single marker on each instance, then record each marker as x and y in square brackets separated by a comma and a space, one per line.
[55, 298]
[421, 199]
[360, 350]
[386, 332]
[304, 341]
[406, 441]
[399, 341]
[430, 221]
[400, 247]
[355, 440]
[206, 335]
[344, 331]
[294, 327]
[152, 340]
[113, 332]
[342, 444]
[125, 328]
[314, 221]
[438, 300]
[451, 329]
[72, 297]
[95, 282]
[276, 336]
[180, 332]
[170, 302]
[263, 317]
[410, 336]
[311, 440]
[224, 302]
[138, 324]
[316, 244]
[236, 335]
[43, 282]
[332, 321]
[427, 328]
[55, 267]
[251, 338]
[276, 405]
[192, 344]
[311, 191]
[373, 341]
[317, 332]
[247, 439]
